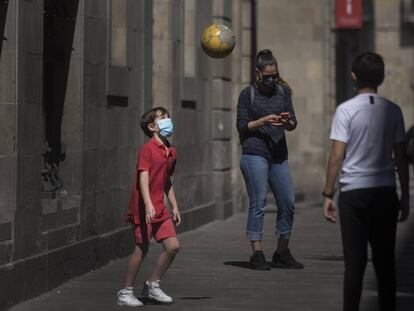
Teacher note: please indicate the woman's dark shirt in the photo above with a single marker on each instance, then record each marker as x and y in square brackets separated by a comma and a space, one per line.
[267, 141]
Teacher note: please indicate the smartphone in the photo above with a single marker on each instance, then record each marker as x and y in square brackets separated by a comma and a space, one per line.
[285, 115]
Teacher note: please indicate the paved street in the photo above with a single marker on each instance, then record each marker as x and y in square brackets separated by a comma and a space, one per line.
[209, 272]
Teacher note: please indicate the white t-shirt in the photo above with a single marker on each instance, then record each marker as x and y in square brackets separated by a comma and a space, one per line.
[370, 125]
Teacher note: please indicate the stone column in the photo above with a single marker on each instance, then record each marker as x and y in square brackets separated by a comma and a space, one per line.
[28, 134]
[304, 60]
[8, 128]
[162, 69]
[222, 117]
[192, 115]
[241, 72]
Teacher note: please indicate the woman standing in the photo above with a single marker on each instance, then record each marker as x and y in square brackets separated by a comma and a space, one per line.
[264, 113]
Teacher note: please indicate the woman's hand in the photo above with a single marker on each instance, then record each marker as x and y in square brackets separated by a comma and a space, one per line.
[273, 120]
[287, 123]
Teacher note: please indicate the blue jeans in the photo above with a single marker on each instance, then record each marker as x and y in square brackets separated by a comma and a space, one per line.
[257, 173]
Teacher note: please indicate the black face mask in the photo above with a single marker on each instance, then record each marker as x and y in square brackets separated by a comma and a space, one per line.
[270, 80]
[267, 83]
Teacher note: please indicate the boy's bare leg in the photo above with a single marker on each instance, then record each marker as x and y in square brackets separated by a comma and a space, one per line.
[134, 263]
[171, 248]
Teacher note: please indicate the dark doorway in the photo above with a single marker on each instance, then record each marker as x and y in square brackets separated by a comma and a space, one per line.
[3, 14]
[349, 43]
[407, 23]
[59, 28]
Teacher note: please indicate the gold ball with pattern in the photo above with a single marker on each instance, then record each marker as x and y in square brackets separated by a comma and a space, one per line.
[218, 41]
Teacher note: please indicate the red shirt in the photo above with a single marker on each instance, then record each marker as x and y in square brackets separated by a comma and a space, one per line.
[152, 157]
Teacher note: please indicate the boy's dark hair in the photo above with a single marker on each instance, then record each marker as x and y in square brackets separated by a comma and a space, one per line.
[368, 68]
[149, 118]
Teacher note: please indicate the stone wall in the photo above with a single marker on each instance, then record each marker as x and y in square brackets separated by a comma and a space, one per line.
[126, 56]
[241, 73]
[303, 39]
[21, 104]
[47, 238]
[299, 35]
[399, 60]
[8, 114]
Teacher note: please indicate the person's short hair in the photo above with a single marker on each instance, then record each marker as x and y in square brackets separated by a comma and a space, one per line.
[149, 118]
[265, 58]
[368, 68]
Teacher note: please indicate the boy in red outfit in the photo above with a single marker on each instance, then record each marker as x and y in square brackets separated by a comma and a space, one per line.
[147, 212]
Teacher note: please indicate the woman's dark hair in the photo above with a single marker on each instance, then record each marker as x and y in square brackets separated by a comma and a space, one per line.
[265, 58]
[368, 68]
[149, 118]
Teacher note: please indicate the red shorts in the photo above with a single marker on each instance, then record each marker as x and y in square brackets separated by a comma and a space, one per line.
[159, 230]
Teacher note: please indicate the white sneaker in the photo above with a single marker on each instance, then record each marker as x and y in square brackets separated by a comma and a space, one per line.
[126, 297]
[153, 291]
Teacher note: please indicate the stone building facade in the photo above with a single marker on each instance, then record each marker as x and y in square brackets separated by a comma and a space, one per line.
[315, 57]
[80, 73]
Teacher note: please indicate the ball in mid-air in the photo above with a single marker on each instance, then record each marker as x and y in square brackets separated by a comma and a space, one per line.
[217, 41]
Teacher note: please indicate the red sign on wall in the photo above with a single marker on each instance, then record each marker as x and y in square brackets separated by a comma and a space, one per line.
[348, 14]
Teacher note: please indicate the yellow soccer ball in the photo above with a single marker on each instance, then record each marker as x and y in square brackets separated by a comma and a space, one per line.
[217, 41]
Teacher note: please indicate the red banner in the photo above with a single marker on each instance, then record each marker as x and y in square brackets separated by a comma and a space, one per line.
[348, 14]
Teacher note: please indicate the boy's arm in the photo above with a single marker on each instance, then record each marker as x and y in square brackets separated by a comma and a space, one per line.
[144, 186]
[169, 190]
[401, 161]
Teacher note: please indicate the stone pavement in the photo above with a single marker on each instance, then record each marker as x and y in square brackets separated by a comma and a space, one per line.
[210, 272]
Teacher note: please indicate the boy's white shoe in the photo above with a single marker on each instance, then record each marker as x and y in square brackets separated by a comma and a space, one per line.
[153, 291]
[126, 297]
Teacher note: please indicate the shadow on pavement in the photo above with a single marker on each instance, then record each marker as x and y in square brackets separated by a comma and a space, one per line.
[245, 264]
[147, 301]
[327, 257]
[240, 264]
[196, 298]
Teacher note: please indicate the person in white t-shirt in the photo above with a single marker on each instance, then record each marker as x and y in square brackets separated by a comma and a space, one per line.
[368, 142]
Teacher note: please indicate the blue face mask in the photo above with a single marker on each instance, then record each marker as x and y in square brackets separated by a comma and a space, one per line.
[166, 127]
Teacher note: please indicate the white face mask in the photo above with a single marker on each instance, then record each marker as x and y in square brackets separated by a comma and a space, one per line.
[166, 127]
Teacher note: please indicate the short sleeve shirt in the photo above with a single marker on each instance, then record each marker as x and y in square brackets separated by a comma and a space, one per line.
[370, 125]
[153, 158]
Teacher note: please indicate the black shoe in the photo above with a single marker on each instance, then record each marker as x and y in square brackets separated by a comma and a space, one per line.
[258, 261]
[285, 260]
